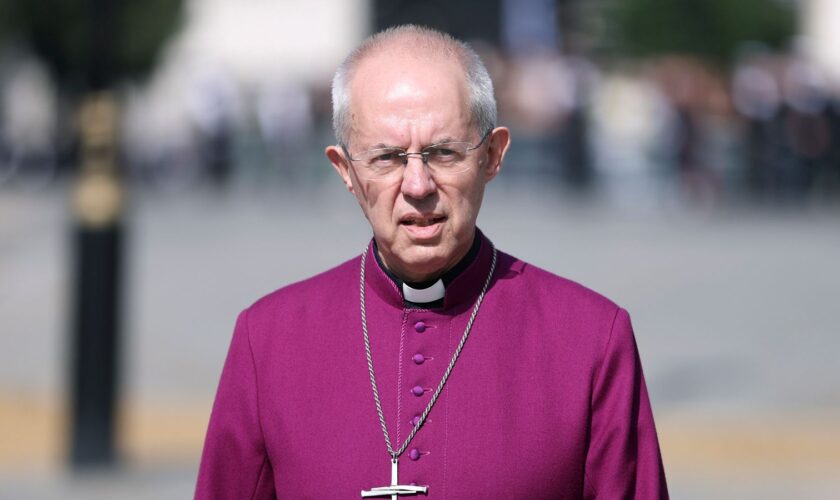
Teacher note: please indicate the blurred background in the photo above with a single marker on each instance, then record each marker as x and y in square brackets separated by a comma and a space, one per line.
[161, 167]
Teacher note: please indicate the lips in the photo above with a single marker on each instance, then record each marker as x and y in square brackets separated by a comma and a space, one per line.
[423, 228]
[420, 220]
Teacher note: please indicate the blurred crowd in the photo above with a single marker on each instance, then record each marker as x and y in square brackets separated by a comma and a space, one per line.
[767, 129]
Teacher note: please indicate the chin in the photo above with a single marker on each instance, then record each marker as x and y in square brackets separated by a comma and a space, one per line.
[423, 261]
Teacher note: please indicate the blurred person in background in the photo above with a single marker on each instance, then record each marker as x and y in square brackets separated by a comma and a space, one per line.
[757, 98]
[833, 175]
[807, 127]
[284, 114]
[688, 86]
[546, 98]
[212, 109]
[354, 382]
[28, 122]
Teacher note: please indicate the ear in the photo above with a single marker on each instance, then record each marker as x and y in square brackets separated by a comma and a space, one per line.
[499, 141]
[341, 165]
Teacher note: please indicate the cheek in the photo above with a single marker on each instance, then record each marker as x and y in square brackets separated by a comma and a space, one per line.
[361, 199]
[377, 203]
[466, 202]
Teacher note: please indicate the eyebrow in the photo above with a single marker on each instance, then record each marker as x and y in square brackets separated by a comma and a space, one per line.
[442, 140]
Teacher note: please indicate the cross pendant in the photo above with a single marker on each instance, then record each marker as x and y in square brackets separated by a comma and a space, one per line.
[395, 489]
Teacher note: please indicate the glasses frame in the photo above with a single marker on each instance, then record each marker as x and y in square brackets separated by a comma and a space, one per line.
[423, 154]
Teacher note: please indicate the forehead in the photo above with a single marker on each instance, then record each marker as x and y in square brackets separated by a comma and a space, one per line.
[398, 92]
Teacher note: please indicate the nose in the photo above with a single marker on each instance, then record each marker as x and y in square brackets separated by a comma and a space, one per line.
[417, 181]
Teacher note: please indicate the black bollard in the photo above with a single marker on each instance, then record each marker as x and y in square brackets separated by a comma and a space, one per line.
[95, 346]
[96, 319]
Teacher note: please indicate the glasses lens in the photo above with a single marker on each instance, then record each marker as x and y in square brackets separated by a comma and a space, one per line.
[449, 157]
[379, 164]
[387, 164]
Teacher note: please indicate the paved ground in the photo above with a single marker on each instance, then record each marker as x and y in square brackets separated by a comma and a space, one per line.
[734, 311]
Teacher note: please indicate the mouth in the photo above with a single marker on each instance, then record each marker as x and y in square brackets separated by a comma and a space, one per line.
[418, 220]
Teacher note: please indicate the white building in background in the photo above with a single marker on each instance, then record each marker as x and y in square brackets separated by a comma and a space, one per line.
[252, 39]
[228, 53]
[821, 26]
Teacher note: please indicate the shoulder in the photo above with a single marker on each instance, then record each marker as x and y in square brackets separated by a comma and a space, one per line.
[310, 293]
[575, 318]
[546, 287]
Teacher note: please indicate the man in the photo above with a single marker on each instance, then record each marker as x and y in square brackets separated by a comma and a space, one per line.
[432, 364]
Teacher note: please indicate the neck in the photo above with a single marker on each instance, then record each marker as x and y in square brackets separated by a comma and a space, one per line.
[465, 258]
[422, 279]
[416, 279]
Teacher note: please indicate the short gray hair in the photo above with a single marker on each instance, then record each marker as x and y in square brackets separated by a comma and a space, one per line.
[480, 86]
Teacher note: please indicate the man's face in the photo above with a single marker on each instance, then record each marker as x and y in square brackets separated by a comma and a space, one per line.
[423, 222]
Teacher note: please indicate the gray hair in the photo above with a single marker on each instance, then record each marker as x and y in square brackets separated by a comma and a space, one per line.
[482, 99]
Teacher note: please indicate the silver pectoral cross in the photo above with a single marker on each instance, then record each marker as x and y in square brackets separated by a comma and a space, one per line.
[396, 489]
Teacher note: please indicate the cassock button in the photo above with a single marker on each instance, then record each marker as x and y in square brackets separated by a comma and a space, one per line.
[415, 420]
[414, 454]
[420, 327]
[417, 391]
[418, 358]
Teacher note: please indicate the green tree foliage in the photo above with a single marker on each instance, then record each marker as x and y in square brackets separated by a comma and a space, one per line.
[710, 29]
[72, 36]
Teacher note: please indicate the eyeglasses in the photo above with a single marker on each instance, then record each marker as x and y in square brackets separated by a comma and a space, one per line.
[387, 163]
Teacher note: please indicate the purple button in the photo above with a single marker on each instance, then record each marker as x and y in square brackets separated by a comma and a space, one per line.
[420, 327]
[418, 358]
[415, 420]
[414, 454]
[417, 391]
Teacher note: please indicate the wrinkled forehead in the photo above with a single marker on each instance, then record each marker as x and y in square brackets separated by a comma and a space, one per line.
[401, 85]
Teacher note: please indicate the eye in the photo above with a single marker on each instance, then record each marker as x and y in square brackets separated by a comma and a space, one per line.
[445, 153]
[384, 158]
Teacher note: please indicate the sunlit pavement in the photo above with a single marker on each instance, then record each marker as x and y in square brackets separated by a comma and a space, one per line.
[734, 313]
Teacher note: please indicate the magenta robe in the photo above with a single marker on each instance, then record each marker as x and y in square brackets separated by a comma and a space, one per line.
[546, 401]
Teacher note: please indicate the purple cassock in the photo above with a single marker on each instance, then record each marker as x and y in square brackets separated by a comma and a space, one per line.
[547, 399]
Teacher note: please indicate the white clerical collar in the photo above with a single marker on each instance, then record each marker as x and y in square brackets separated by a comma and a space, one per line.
[437, 290]
[424, 295]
